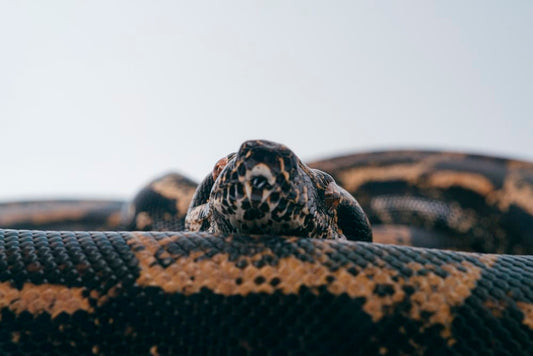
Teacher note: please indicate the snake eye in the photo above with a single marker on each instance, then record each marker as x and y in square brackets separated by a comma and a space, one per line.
[332, 196]
[351, 219]
[219, 166]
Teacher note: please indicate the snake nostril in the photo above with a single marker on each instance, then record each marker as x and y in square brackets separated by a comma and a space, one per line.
[259, 182]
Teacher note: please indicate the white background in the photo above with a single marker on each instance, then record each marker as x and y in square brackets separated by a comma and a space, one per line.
[97, 97]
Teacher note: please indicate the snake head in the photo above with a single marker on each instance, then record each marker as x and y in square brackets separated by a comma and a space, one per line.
[265, 188]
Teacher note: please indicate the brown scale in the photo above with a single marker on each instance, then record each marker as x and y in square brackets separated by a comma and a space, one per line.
[482, 208]
[62, 214]
[417, 295]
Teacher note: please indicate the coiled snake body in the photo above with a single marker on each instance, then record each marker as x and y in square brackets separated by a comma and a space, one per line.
[228, 289]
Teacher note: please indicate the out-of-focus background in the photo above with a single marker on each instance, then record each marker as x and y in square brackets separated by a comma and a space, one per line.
[98, 97]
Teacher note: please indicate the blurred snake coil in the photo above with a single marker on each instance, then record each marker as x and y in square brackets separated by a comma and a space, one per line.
[449, 271]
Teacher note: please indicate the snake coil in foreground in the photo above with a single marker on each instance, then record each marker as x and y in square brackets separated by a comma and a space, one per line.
[278, 261]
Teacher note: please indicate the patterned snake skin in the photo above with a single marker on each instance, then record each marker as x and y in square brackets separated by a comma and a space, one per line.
[161, 293]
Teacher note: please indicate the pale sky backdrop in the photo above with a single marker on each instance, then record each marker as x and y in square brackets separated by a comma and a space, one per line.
[98, 97]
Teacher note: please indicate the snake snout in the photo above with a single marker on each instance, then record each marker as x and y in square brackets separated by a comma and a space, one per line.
[278, 158]
[259, 182]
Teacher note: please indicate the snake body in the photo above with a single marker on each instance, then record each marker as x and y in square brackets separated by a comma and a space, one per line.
[159, 293]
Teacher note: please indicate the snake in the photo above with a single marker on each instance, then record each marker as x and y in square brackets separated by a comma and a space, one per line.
[379, 253]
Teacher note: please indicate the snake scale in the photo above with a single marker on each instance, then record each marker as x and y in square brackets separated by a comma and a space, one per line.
[138, 284]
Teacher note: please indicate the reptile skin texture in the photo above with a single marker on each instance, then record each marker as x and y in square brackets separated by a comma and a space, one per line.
[194, 293]
[412, 291]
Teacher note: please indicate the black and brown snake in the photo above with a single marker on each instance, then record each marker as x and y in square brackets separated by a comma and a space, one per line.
[254, 281]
